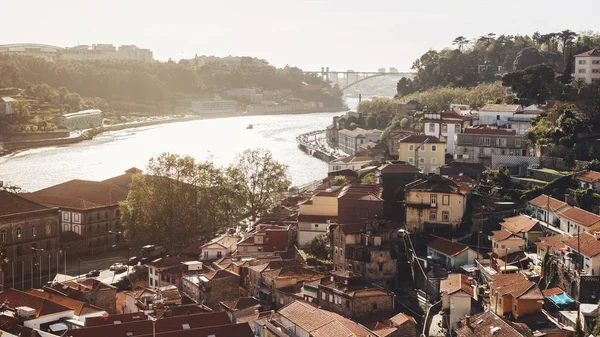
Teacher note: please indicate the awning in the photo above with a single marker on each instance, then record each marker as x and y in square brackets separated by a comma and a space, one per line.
[561, 299]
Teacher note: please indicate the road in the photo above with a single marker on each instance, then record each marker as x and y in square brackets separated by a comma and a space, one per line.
[78, 267]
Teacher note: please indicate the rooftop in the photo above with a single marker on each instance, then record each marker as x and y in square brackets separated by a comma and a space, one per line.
[435, 183]
[457, 283]
[447, 247]
[11, 203]
[80, 194]
[398, 168]
[521, 224]
[361, 192]
[501, 235]
[15, 298]
[517, 285]
[485, 130]
[354, 159]
[79, 308]
[358, 132]
[500, 108]
[587, 244]
[487, 324]
[589, 177]
[241, 303]
[420, 139]
[580, 216]
[543, 201]
[590, 53]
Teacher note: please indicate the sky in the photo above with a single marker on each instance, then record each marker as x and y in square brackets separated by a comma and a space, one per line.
[310, 34]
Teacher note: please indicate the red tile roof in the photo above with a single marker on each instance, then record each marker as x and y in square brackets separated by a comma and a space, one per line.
[11, 203]
[15, 298]
[488, 324]
[455, 283]
[590, 53]
[501, 235]
[111, 319]
[580, 216]
[500, 108]
[552, 291]
[398, 168]
[516, 285]
[420, 139]
[543, 201]
[556, 242]
[80, 194]
[447, 247]
[589, 177]
[521, 224]
[435, 183]
[241, 303]
[587, 244]
[79, 307]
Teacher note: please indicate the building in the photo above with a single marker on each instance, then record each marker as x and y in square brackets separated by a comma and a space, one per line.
[214, 106]
[301, 319]
[266, 239]
[105, 52]
[497, 114]
[587, 66]
[547, 209]
[350, 141]
[365, 249]
[81, 310]
[212, 288]
[393, 140]
[35, 312]
[400, 325]
[254, 280]
[148, 301]
[524, 226]
[552, 245]
[588, 246]
[444, 125]
[487, 324]
[346, 294]
[355, 163]
[457, 294]
[87, 290]
[574, 220]
[435, 203]
[315, 216]
[86, 119]
[359, 202]
[29, 238]
[589, 180]
[241, 307]
[473, 170]
[161, 266]
[428, 153]
[449, 254]
[393, 178]
[219, 247]
[6, 106]
[505, 242]
[32, 49]
[515, 294]
[284, 283]
[494, 148]
[90, 217]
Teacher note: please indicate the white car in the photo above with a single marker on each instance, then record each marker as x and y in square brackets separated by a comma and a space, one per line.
[115, 266]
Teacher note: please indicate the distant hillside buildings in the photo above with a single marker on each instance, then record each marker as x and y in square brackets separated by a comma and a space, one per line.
[81, 52]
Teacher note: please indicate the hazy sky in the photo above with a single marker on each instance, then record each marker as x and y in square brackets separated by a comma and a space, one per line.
[342, 34]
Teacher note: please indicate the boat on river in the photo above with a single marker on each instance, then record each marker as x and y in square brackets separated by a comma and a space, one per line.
[250, 127]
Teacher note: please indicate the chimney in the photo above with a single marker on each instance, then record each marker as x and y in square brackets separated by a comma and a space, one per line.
[597, 235]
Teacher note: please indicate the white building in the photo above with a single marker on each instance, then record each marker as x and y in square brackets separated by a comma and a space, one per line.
[457, 293]
[81, 120]
[354, 163]
[219, 247]
[497, 114]
[315, 216]
[587, 66]
[444, 125]
[350, 141]
[214, 106]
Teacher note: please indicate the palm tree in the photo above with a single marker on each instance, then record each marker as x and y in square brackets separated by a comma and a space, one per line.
[460, 41]
[567, 37]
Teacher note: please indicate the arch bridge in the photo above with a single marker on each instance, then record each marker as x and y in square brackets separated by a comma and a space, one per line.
[350, 78]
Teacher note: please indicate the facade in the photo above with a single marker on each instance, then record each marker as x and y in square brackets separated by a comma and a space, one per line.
[589, 180]
[393, 140]
[355, 163]
[434, 203]
[90, 218]
[267, 239]
[365, 250]
[346, 294]
[6, 106]
[219, 247]
[547, 209]
[427, 153]
[514, 294]
[359, 203]
[105, 52]
[574, 220]
[498, 114]
[524, 226]
[457, 293]
[450, 255]
[315, 216]
[24, 227]
[350, 141]
[588, 246]
[444, 125]
[493, 148]
[88, 290]
[587, 66]
[212, 288]
[161, 266]
[505, 243]
[214, 106]
[81, 120]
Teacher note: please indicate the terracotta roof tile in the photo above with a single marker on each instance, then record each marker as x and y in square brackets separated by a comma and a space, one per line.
[79, 307]
[556, 242]
[521, 224]
[420, 139]
[589, 177]
[587, 243]
[516, 285]
[241, 303]
[447, 247]
[11, 203]
[552, 291]
[80, 194]
[500, 108]
[543, 200]
[455, 283]
[589, 53]
[501, 235]
[15, 298]
[398, 168]
[488, 324]
[580, 216]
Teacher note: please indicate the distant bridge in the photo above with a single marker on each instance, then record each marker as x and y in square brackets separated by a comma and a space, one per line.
[350, 77]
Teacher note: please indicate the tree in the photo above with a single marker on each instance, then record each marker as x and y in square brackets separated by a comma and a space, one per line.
[460, 41]
[528, 57]
[369, 178]
[372, 122]
[566, 37]
[179, 200]
[588, 102]
[263, 180]
[567, 75]
[596, 330]
[319, 247]
[340, 181]
[578, 327]
[532, 82]
[404, 87]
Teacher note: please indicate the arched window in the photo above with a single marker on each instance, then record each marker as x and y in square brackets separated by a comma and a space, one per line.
[48, 228]
[33, 231]
[19, 233]
[3, 235]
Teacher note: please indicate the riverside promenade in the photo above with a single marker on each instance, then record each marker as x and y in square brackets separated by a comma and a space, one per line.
[315, 144]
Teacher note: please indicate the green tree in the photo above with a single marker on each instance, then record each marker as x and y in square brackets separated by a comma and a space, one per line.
[369, 178]
[527, 57]
[319, 247]
[566, 37]
[460, 42]
[340, 181]
[372, 122]
[567, 75]
[404, 87]
[532, 82]
[596, 330]
[263, 180]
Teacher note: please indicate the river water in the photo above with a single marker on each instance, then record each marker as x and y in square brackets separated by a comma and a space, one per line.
[219, 140]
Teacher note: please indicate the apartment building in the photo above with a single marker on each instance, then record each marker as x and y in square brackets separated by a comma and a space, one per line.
[587, 66]
[350, 141]
[444, 125]
[427, 153]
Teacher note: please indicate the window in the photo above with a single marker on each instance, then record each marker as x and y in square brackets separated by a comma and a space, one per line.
[3, 236]
[484, 141]
[206, 255]
[582, 70]
[49, 228]
[381, 267]
[411, 160]
[445, 216]
[501, 142]
[582, 62]
[421, 160]
[323, 296]
[411, 147]
[98, 216]
[595, 71]
[48, 245]
[151, 282]
[456, 128]
[431, 127]
[445, 128]
[374, 306]
[330, 298]
[106, 226]
[595, 61]
[445, 200]
[433, 148]
[33, 231]
[517, 143]
[432, 215]
[433, 160]
[433, 198]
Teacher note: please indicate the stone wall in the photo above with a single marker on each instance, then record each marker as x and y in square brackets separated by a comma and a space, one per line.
[223, 289]
[372, 305]
[105, 298]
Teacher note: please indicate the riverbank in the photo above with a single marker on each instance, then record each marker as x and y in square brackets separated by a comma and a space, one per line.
[11, 147]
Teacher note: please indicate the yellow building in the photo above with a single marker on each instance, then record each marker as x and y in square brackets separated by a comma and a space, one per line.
[514, 294]
[316, 215]
[435, 203]
[427, 153]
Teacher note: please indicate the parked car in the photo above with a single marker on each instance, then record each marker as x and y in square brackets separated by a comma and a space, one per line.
[133, 261]
[120, 268]
[93, 273]
[115, 266]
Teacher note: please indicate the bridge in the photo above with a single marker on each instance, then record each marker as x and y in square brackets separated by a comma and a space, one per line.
[350, 78]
